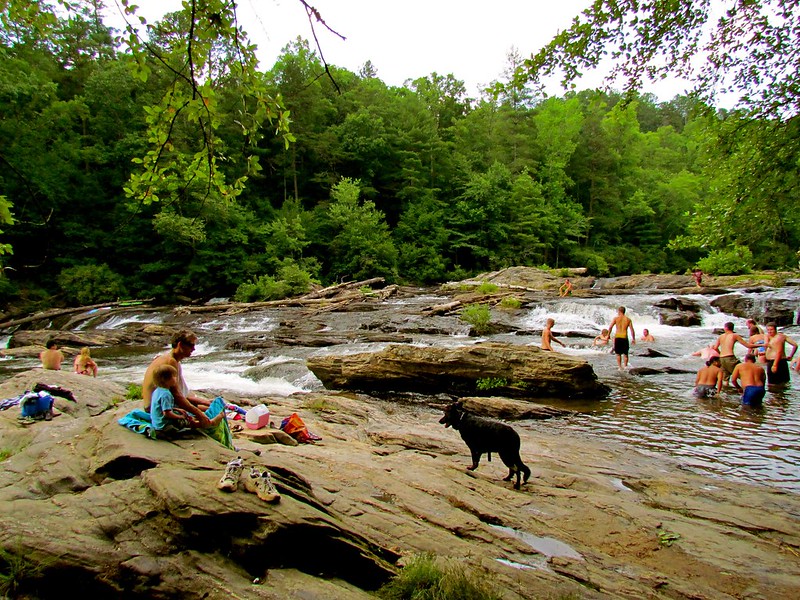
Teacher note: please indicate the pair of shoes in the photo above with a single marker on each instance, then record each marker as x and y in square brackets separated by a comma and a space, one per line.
[260, 482]
[230, 480]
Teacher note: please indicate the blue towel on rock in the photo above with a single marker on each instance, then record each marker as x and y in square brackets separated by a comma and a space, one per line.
[139, 421]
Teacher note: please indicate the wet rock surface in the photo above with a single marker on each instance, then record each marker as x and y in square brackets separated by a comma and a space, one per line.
[95, 507]
[507, 369]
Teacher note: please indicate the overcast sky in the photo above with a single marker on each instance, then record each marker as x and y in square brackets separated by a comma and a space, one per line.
[406, 39]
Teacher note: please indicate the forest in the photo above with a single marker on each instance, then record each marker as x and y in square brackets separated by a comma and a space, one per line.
[120, 178]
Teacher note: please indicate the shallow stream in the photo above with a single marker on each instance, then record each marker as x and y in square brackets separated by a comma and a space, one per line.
[653, 413]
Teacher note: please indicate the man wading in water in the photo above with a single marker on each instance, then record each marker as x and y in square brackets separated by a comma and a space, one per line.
[724, 346]
[621, 343]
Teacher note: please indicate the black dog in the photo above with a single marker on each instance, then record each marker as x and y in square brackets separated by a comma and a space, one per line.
[483, 435]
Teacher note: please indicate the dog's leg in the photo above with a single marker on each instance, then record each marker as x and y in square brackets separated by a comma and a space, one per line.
[489, 456]
[476, 458]
[526, 472]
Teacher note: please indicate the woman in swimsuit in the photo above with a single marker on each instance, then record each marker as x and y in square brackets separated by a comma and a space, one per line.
[84, 365]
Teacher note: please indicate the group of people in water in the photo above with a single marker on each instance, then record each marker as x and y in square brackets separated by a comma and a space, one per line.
[767, 347]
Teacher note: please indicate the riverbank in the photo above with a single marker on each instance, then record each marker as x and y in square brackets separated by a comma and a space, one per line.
[387, 481]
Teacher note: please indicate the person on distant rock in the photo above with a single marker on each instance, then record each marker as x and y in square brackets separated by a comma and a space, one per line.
[548, 337]
[698, 277]
[724, 345]
[647, 336]
[163, 414]
[749, 377]
[565, 289]
[602, 339]
[84, 365]
[621, 343]
[777, 359]
[709, 379]
[759, 340]
[52, 357]
[183, 344]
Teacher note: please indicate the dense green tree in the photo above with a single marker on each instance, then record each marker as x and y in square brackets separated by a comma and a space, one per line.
[362, 246]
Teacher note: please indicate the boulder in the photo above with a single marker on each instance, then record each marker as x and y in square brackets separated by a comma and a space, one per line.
[499, 368]
[679, 318]
[776, 310]
[512, 410]
[679, 303]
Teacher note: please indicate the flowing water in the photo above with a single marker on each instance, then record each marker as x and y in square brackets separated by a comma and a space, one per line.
[653, 413]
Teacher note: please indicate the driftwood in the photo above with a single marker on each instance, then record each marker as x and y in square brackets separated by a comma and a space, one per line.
[60, 312]
[323, 297]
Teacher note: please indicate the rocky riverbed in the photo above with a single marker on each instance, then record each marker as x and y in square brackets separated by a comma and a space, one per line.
[89, 505]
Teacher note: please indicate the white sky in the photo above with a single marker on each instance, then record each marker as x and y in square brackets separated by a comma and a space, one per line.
[406, 39]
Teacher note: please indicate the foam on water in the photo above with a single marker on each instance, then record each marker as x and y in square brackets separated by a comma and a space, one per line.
[250, 322]
[119, 321]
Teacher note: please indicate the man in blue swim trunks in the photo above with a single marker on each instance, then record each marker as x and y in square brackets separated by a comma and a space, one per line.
[751, 379]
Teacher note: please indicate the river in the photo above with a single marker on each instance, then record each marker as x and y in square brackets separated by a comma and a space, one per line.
[653, 413]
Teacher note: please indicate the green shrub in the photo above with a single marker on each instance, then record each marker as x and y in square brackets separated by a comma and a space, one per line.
[487, 288]
[733, 260]
[595, 263]
[510, 303]
[478, 316]
[134, 392]
[424, 579]
[90, 284]
[489, 383]
[564, 273]
[291, 280]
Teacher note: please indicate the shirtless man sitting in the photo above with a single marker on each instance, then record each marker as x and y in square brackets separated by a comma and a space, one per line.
[183, 344]
[709, 379]
[52, 357]
[724, 345]
[777, 359]
[752, 379]
[548, 337]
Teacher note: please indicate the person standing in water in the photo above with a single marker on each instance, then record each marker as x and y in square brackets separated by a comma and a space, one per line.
[752, 379]
[548, 337]
[621, 343]
[725, 344]
[777, 359]
[709, 379]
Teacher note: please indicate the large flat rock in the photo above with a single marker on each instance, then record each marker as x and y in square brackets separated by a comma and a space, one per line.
[89, 505]
[494, 368]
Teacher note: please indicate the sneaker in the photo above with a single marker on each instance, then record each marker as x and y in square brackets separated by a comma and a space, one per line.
[260, 482]
[230, 480]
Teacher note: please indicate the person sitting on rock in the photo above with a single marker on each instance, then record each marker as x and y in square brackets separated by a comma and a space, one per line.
[709, 379]
[183, 344]
[165, 417]
[51, 357]
[84, 365]
[565, 289]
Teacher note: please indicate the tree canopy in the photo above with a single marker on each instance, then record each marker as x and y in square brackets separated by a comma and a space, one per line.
[164, 161]
[750, 48]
